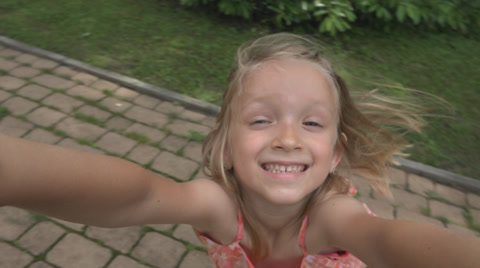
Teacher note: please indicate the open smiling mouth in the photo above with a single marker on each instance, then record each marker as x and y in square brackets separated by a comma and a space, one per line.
[276, 168]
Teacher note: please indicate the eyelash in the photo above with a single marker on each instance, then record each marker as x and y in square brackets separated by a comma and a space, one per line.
[312, 124]
[260, 121]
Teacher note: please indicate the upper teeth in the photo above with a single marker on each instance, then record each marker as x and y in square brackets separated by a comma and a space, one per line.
[281, 168]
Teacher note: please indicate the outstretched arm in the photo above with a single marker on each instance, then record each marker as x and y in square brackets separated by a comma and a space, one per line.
[397, 243]
[88, 188]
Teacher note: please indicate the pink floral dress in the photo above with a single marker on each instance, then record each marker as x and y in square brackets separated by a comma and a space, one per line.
[233, 255]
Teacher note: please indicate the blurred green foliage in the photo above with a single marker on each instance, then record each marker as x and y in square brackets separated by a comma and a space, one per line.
[338, 16]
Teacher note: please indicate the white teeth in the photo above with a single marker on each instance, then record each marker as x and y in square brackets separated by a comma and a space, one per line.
[275, 168]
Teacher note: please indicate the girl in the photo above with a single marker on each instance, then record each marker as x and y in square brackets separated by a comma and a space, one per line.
[287, 137]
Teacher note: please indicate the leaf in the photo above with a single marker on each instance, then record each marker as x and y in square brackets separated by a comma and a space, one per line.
[319, 13]
[401, 12]
[350, 15]
[413, 13]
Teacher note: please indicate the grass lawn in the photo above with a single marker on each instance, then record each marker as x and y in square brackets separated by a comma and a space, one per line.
[190, 51]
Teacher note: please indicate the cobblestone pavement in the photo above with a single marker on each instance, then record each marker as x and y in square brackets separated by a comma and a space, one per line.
[44, 101]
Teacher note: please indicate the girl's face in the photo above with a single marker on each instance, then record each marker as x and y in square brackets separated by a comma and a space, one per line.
[283, 131]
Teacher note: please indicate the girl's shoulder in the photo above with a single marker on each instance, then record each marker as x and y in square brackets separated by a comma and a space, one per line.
[325, 213]
[223, 210]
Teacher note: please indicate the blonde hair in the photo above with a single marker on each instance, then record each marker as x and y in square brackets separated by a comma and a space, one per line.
[365, 119]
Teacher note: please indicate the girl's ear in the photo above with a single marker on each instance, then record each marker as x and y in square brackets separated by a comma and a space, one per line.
[338, 151]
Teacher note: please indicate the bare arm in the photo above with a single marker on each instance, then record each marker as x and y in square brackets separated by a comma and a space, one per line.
[92, 189]
[397, 243]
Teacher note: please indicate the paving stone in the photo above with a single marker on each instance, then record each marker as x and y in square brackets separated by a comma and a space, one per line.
[40, 264]
[201, 175]
[9, 82]
[169, 108]
[69, 143]
[65, 71]
[397, 177]
[6, 65]
[209, 121]
[118, 123]
[192, 116]
[121, 239]
[104, 85]
[476, 216]
[95, 112]
[19, 105]
[152, 133]
[362, 186]
[116, 143]
[79, 129]
[452, 213]
[84, 78]
[143, 154]
[9, 53]
[124, 262]
[33, 91]
[453, 195]
[409, 215]
[473, 199]
[45, 117]
[85, 92]
[4, 95]
[24, 72]
[14, 127]
[146, 116]
[26, 58]
[13, 222]
[75, 251]
[185, 232]
[42, 136]
[193, 151]
[115, 105]
[419, 184]
[63, 102]
[146, 101]
[125, 93]
[41, 237]
[13, 257]
[409, 200]
[161, 227]
[197, 259]
[462, 230]
[71, 225]
[184, 128]
[159, 250]
[380, 208]
[44, 64]
[52, 81]
[173, 165]
[173, 143]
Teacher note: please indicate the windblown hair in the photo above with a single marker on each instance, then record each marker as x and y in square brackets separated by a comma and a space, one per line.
[366, 119]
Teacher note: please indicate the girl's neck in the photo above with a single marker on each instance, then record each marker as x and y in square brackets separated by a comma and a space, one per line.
[275, 218]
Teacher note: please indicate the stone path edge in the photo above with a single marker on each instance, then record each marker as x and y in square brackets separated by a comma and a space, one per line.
[123, 80]
[438, 175]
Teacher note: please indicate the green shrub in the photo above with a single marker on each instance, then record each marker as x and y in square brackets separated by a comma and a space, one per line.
[339, 16]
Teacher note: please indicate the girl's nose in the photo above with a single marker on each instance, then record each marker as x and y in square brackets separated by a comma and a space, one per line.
[286, 138]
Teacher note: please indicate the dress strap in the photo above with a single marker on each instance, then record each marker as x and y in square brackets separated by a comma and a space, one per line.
[301, 235]
[240, 228]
